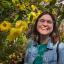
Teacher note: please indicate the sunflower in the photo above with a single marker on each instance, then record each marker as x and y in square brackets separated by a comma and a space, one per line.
[5, 26]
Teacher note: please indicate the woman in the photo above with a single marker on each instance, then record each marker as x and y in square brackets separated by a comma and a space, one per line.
[44, 48]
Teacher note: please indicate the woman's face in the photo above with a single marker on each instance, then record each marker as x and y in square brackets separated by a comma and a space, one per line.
[45, 24]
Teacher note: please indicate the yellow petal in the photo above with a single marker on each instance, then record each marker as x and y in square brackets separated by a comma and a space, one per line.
[5, 26]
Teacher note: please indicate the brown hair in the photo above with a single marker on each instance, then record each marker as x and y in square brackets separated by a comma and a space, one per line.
[55, 28]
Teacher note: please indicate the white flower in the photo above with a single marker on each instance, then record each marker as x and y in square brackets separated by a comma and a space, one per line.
[41, 3]
[44, 3]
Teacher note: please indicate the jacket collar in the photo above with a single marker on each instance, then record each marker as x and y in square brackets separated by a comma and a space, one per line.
[50, 44]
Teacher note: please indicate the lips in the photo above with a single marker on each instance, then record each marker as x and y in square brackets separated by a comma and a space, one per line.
[44, 28]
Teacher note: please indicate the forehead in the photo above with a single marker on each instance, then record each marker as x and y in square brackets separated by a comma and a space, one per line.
[46, 16]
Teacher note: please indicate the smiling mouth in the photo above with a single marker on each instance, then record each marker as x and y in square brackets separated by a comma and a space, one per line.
[44, 28]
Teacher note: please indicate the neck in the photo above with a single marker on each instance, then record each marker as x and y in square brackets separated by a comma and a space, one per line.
[44, 39]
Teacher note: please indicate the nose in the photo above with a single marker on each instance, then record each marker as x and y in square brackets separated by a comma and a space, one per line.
[45, 23]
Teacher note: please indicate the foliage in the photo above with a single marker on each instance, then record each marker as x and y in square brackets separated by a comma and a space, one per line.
[15, 16]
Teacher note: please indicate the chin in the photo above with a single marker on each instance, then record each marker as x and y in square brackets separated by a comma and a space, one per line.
[44, 34]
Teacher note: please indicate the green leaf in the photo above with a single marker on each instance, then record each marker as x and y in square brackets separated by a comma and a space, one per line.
[16, 17]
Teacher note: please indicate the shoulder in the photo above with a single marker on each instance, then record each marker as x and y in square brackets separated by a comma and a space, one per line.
[30, 43]
[61, 46]
[61, 53]
[31, 47]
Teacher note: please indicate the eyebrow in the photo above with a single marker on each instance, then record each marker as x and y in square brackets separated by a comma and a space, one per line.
[45, 20]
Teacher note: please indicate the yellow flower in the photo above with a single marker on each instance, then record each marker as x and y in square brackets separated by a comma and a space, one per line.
[54, 11]
[22, 7]
[18, 24]
[15, 1]
[25, 25]
[0, 27]
[14, 32]
[39, 12]
[47, 1]
[33, 15]
[21, 25]
[5, 26]
[33, 7]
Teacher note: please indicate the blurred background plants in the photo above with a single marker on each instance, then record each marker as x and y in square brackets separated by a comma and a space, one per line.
[15, 17]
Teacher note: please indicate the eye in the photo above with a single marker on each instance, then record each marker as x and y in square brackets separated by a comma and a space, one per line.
[42, 20]
[49, 21]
